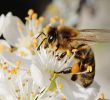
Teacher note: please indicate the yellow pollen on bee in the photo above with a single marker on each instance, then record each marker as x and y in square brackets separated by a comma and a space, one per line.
[89, 69]
[68, 53]
[30, 12]
[74, 50]
[75, 68]
[60, 85]
[34, 15]
[30, 32]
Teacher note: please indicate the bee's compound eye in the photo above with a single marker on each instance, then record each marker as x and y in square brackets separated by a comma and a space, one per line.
[50, 38]
[52, 35]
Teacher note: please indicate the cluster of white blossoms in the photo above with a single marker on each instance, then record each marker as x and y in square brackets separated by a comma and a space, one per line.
[29, 74]
[74, 9]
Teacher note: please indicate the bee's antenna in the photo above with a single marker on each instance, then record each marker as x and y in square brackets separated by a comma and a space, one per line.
[40, 34]
[41, 43]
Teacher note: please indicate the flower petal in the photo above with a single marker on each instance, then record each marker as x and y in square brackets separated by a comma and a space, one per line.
[73, 91]
[40, 77]
[11, 32]
[37, 75]
[2, 20]
[24, 53]
[5, 93]
[4, 46]
[13, 58]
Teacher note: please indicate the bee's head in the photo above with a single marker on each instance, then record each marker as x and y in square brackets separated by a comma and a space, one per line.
[52, 35]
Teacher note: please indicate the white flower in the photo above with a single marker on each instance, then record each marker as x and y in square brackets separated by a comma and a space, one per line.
[2, 18]
[19, 35]
[31, 74]
[16, 82]
[15, 79]
[46, 64]
[4, 46]
[60, 8]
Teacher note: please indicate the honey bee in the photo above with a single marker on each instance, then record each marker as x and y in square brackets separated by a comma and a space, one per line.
[78, 42]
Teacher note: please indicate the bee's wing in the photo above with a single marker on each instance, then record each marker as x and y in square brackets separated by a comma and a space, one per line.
[93, 35]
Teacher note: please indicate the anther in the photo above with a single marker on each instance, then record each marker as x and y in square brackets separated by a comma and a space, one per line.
[41, 19]
[54, 19]
[27, 18]
[9, 78]
[63, 98]
[102, 97]
[34, 16]
[60, 85]
[1, 65]
[5, 67]
[61, 21]
[18, 62]
[22, 53]
[30, 12]
[46, 28]
[13, 71]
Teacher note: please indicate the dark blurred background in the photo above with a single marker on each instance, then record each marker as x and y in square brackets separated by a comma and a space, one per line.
[20, 7]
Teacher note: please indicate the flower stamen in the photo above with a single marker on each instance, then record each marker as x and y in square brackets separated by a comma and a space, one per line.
[60, 85]
[30, 12]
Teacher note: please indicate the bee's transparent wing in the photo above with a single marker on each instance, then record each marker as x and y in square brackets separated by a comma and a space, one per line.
[93, 35]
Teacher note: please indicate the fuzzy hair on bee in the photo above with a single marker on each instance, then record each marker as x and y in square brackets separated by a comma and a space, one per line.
[76, 41]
